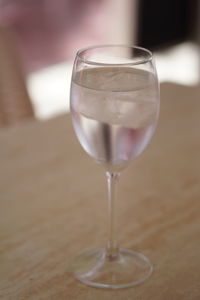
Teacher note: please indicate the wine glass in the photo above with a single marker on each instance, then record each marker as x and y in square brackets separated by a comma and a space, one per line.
[114, 106]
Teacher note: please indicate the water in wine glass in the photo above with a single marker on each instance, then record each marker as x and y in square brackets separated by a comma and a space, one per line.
[114, 111]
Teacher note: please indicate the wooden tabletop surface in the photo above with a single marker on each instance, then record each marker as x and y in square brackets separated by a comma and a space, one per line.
[53, 205]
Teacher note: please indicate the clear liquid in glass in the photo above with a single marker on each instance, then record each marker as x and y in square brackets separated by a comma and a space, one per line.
[114, 112]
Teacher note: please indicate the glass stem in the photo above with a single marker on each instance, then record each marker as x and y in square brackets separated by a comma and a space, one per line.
[111, 245]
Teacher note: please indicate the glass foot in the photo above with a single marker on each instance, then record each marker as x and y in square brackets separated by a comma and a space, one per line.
[125, 269]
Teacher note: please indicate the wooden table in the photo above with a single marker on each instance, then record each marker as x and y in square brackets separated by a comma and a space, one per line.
[53, 205]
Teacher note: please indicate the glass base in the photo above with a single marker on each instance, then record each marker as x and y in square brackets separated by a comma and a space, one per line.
[124, 269]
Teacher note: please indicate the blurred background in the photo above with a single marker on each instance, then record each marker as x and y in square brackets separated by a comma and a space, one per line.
[39, 39]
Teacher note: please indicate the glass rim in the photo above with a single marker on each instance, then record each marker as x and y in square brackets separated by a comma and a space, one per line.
[138, 62]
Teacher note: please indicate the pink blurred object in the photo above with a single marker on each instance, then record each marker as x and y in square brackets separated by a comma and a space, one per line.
[49, 31]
